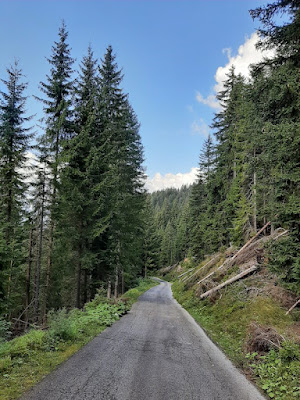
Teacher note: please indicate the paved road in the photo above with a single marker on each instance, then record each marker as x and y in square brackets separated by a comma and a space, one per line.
[156, 352]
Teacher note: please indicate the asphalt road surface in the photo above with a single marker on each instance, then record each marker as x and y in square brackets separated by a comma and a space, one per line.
[156, 352]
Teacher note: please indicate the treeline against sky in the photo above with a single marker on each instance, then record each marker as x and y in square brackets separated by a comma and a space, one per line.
[250, 173]
[79, 224]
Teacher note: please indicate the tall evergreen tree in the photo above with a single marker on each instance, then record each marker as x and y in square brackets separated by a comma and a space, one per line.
[59, 125]
[76, 188]
[285, 38]
[122, 195]
[14, 143]
[41, 201]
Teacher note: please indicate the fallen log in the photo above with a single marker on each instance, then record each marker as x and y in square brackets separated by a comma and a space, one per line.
[165, 270]
[211, 261]
[250, 241]
[230, 261]
[191, 269]
[293, 306]
[281, 234]
[229, 281]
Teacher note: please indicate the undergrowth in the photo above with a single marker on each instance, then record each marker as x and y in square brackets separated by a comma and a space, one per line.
[278, 371]
[25, 360]
[227, 321]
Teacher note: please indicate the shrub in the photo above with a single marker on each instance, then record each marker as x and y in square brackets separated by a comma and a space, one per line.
[4, 330]
[284, 260]
[5, 363]
[99, 298]
[280, 379]
[61, 326]
[289, 352]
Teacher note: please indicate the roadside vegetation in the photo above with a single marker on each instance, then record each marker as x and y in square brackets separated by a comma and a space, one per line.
[26, 359]
[248, 321]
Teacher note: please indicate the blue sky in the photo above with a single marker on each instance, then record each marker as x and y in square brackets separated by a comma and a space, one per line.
[169, 51]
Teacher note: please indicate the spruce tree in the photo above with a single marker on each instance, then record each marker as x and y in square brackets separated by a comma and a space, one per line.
[40, 203]
[14, 144]
[121, 189]
[77, 204]
[59, 125]
[285, 38]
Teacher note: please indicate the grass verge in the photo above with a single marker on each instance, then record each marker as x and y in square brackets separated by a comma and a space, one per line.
[227, 321]
[25, 360]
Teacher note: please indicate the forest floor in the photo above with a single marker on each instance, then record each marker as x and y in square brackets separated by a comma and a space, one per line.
[27, 359]
[246, 319]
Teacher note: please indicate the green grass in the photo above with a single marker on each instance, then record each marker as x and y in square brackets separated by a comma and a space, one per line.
[25, 360]
[227, 322]
[132, 295]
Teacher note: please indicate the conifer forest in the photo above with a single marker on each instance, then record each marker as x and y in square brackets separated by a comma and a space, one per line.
[73, 221]
[77, 218]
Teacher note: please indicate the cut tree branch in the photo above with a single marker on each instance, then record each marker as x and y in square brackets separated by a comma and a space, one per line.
[293, 306]
[204, 266]
[230, 261]
[229, 281]
[191, 269]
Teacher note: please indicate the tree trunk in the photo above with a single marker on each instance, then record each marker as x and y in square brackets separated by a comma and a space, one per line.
[79, 268]
[48, 271]
[116, 283]
[10, 282]
[265, 219]
[254, 203]
[50, 253]
[109, 289]
[85, 286]
[272, 229]
[28, 276]
[78, 290]
[123, 282]
[39, 259]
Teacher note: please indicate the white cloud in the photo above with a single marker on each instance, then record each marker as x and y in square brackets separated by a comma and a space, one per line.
[247, 54]
[200, 127]
[28, 168]
[160, 182]
[209, 101]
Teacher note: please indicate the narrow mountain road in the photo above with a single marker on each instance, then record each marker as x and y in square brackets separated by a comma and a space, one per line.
[156, 352]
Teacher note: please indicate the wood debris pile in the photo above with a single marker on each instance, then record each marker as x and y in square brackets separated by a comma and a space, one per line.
[247, 259]
[262, 339]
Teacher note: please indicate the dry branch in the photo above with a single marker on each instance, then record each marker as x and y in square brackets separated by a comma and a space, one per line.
[191, 269]
[229, 281]
[230, 261]
[250, 241]
[281, 234]
[165, 270]
[293, 306]
[262, 338]
[208, 264]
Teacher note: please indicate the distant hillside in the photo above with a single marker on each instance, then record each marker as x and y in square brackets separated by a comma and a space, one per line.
[170, 213]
